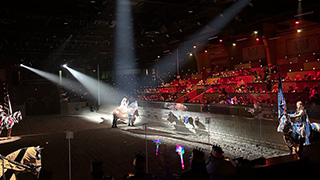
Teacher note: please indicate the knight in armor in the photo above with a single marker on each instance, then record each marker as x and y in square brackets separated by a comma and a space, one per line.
[301, 124]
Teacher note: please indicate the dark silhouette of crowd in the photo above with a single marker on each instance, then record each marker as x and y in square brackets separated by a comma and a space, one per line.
[215, 167]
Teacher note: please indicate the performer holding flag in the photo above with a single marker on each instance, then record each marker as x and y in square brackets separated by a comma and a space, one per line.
[301, 126]
[282, 108]
[302, 123]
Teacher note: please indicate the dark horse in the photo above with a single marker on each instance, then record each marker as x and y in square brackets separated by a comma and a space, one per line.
[291, 134]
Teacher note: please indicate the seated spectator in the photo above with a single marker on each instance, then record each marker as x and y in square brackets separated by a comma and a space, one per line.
[186, 99]
[317, 76]
[261, 90]
[161, 98]
[234, 100]
[197, 100]
[257, 77]
[217, 166]
[314, 96]
[287, 78]
[241, 85]
[275, 88]
[290, 90]
[298, 78]
[306, 88]
[197, 167]
[241, 101]
[307, 77]
[232, 80]
[204, 101]
[246, 72]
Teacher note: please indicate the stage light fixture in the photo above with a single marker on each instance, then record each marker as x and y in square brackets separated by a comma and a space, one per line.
[234, 44]
[299, 30]
[255, 32]
[65, 66]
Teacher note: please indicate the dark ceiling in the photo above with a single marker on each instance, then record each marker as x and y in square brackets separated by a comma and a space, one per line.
[48, 33]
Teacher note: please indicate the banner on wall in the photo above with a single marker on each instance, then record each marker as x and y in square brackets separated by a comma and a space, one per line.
[217, 51]
[253, 52]
[218, 54]
[306, 44]
[220, 61]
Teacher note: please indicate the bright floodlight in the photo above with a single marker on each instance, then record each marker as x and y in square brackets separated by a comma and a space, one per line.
[65, 66]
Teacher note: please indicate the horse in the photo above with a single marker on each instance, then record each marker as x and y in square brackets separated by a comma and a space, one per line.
[176, 106]
[291, 133]
[26, 159]
[123, 111]
[7, 122]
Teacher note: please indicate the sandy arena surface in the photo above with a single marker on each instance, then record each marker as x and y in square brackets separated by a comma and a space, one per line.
[116, 147]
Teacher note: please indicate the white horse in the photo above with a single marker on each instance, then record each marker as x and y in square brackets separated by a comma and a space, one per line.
[124, 110]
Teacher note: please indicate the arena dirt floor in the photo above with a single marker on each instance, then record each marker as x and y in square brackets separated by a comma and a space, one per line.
[94, 139]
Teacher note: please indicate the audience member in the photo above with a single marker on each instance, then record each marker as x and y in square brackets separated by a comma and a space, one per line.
[317, 76]
[298, 78]
[197, 167]
[314, 96]
[139, 164]
[97, 172]
[290, 90]
[217, 166]
[186, 99]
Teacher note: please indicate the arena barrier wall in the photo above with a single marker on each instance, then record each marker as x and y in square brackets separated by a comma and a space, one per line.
[227, 120]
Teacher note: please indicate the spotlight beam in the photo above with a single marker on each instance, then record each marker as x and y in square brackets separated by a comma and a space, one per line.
[109, 94]
[217, 24]
[124, 43]
[66, 83]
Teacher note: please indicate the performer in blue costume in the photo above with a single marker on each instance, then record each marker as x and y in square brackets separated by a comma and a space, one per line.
[302, 123]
